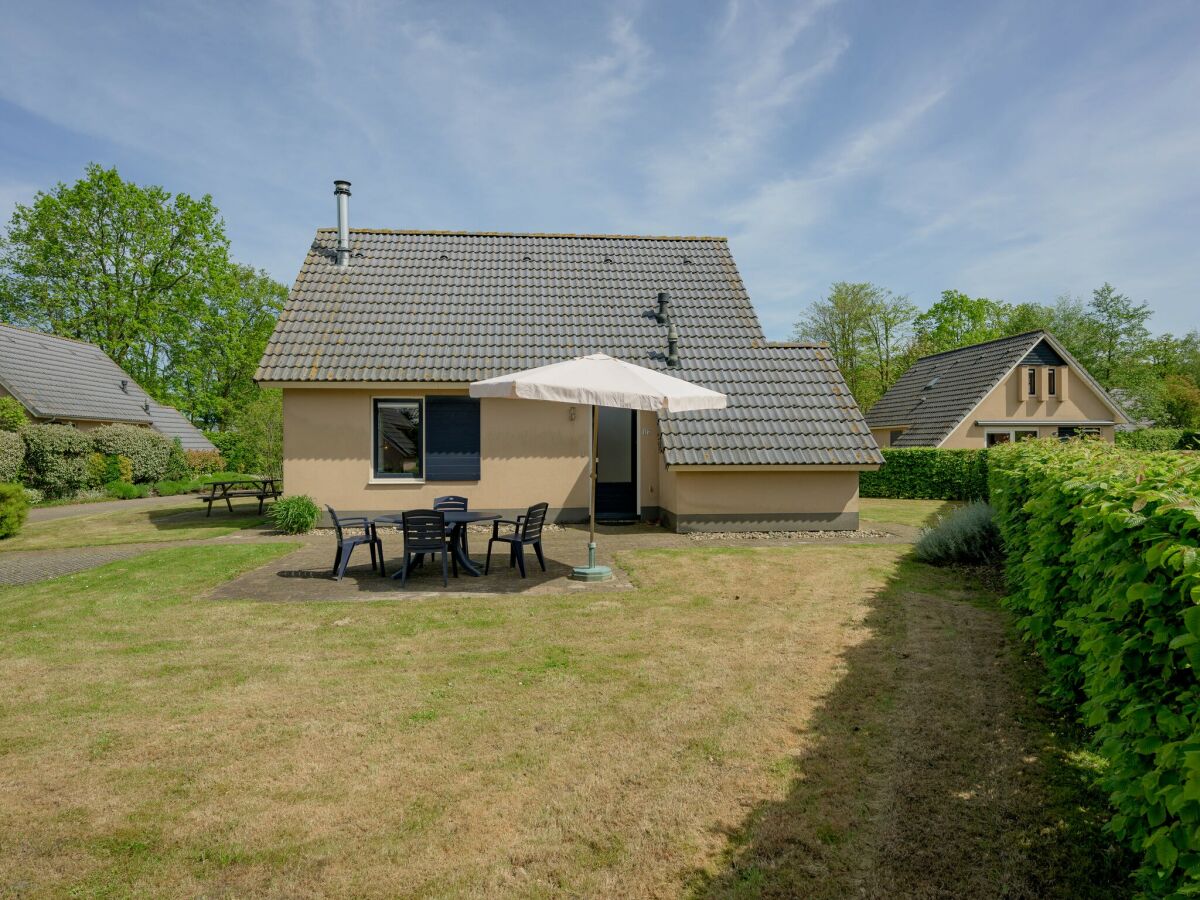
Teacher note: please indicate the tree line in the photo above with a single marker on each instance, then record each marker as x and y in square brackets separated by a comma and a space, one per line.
[875, 335]
[147, 276]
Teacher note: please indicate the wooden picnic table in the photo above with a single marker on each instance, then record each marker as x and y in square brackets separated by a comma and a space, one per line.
[261, 487]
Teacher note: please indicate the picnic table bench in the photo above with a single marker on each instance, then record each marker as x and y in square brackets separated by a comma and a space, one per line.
[260, 487]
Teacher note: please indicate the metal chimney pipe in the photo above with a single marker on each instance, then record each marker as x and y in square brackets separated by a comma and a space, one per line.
[672, 347]
[664, 301]
[341, 190]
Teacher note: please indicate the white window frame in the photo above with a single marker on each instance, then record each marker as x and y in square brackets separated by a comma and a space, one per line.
[398, 480]
[1011, 432]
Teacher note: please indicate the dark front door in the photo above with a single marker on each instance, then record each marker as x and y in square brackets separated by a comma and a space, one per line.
[616, 470]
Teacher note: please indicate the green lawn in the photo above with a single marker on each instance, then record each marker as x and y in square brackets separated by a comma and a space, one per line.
[740, 724]
[135, 526]
[918, 513]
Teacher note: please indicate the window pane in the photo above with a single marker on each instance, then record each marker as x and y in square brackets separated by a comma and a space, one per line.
[1051, 382]
[1026, 435]
[398, 437]
[997, 437]
[1032, 382]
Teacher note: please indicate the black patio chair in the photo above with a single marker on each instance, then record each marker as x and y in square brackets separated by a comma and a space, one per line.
[425, 532]
[454, 503]
[527, 529]
[349, 537]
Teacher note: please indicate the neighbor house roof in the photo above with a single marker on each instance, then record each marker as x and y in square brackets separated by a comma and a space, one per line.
[60, 378]
[939, 391]
[423, 306]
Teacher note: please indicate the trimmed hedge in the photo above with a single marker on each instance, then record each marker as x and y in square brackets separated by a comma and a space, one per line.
[56, 458]
[12, 456]
[13, 509]
[928, 473]
[1159, 439]
[146, 449]
[1104, 572]
[204, 462]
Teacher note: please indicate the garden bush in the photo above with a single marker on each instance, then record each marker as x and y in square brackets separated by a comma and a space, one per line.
[1158, 439]
[177, 464]
[1104, 576]
[12, 456]
[33, 496]
[170, 488]
[56, 458]
[146, 449]
[204, 462]
[123, 490]
[105, 467]
[928, 473]
[13, 509]
[967, 536]
[295, 515]
[12, 415]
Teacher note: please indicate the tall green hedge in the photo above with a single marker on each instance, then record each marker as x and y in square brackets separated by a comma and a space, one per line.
[56, 458]
[149, 451]
[1159, 439]
[928, 473]
[1104, 573]
[12, 455]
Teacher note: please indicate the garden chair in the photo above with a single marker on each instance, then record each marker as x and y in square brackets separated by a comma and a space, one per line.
[527, 529]
[425, 532]
[453, 503]
[349, 537]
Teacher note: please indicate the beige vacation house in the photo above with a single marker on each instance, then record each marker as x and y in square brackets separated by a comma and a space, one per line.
[69, 382]
[1011, 389]
[384, 330]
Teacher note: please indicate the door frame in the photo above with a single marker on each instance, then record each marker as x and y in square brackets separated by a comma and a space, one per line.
[635, 460]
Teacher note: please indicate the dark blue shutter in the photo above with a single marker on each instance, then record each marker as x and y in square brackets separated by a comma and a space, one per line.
[451, 439]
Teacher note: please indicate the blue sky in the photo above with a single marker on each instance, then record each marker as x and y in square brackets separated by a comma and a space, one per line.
[1017, 150]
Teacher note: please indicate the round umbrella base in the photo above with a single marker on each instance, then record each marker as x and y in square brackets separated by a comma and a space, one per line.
[591, 573]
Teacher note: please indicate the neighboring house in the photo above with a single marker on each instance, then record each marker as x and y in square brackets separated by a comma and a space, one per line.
[72, 383]
[1009, 389]
[378, 343]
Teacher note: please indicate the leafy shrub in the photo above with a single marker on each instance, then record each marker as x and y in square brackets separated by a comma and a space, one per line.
[254, 440]
[12, 455]
[33, 496]
[12, 415]
[203, 462]
[967, 536]
[177, 464]
[13, 509]
[123, 490]
[103, 468]
[1104, 575]
[928, 473]
[295, 515]
[146, 449]
[171, 488]
[1158, 439]
[56, 458]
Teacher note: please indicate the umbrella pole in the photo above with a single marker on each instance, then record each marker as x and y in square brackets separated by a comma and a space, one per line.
[593, 572]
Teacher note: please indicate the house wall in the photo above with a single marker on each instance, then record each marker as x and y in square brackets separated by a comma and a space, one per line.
[1076, 401]
[533, 451]
[883, 436]
[764, 499]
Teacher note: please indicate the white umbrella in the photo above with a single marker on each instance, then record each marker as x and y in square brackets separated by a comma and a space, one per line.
[600, 380]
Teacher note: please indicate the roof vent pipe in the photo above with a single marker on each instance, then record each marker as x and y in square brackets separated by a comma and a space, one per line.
[664, 301]
[672, 347]
[341, 190]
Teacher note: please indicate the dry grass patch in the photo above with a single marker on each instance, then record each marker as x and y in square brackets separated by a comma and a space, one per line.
[636, 744]
[917, 513]
[134, 526]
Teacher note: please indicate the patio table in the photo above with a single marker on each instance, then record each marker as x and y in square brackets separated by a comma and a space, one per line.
[458, 520]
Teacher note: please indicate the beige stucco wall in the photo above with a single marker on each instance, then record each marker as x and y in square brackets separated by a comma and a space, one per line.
[883, 435]
[762, 499]
[531, 452]
[534, 451]
[1076, 401]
